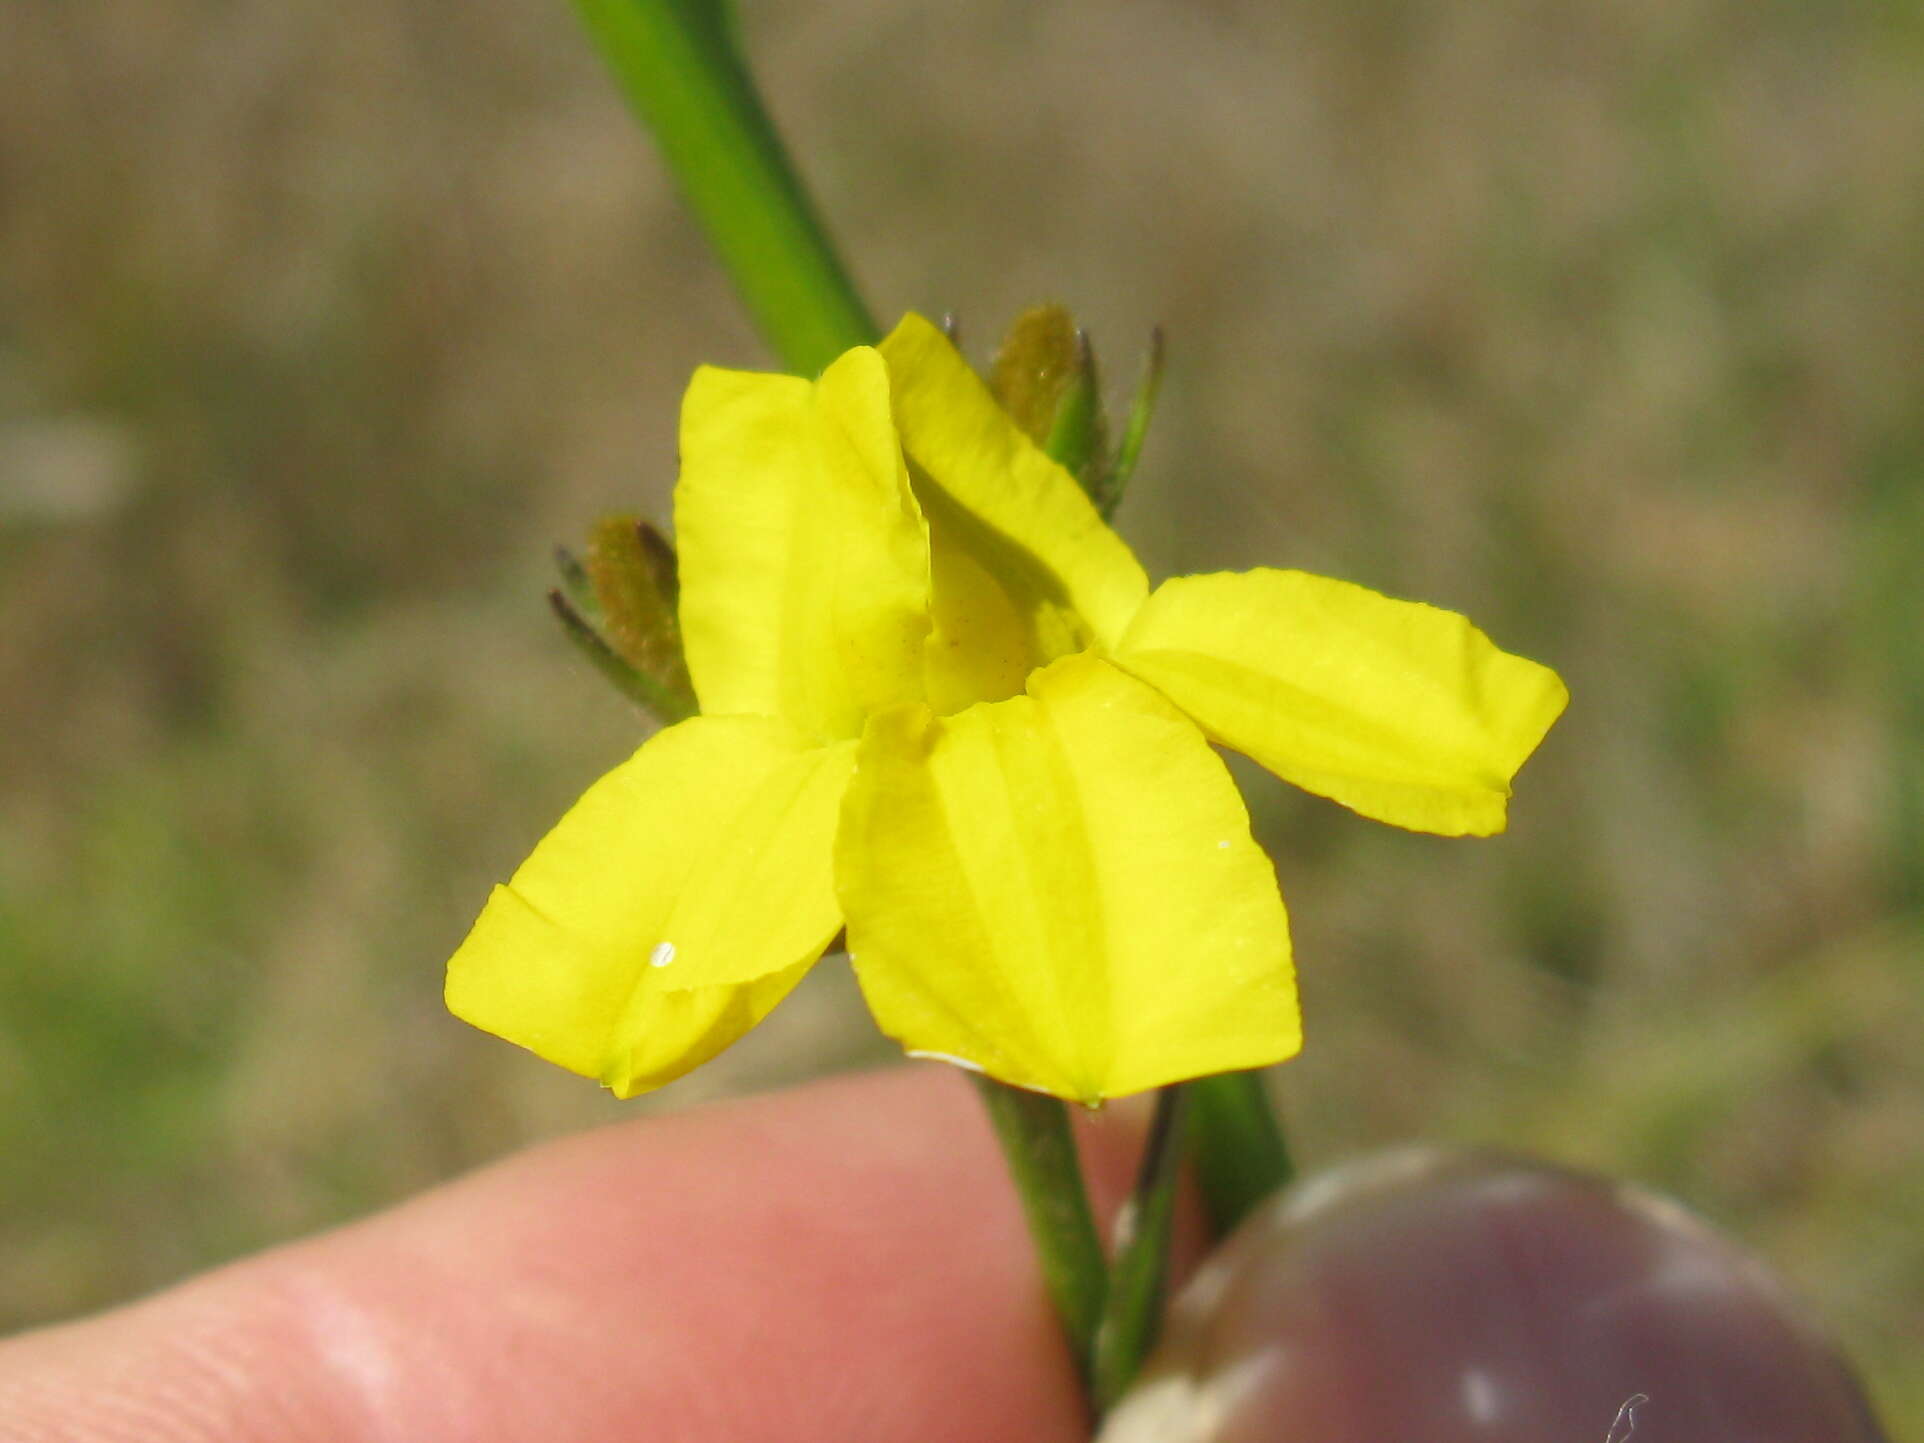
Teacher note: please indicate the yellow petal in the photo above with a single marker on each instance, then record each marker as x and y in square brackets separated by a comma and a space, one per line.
[804, 559]
[1061, 890]
[1002, 500]
[672, 907]
[1400, 711]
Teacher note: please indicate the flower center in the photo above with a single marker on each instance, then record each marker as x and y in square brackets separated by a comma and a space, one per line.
[999, 613]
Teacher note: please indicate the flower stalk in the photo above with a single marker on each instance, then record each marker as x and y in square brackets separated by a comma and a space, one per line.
[1040, 1148]
[1237, 1146]
[1139, 1277]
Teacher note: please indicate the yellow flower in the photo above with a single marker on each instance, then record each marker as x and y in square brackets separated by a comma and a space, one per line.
[942, 707]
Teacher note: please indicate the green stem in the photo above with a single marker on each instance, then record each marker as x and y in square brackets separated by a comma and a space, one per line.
[684, 74]
[1041, 1152]
[1239, 1152]
[1139, 1278]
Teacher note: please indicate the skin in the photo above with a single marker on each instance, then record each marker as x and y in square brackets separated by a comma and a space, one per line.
[842, 1262]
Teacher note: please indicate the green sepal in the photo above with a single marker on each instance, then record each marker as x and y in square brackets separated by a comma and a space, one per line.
[629, 682]
[576, 587]
[1142, 409]
[1046, 377]
[1079, 435]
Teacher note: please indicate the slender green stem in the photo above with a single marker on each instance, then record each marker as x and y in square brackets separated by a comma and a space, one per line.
[1239, 1152]
[1139, 1277]
[1041, 1152]
[683, 72]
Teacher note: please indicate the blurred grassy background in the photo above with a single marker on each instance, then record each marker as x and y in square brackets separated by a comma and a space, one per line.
[321, 322]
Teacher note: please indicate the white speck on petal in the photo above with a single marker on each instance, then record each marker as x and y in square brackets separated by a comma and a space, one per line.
[1223, 845]
[663, 954]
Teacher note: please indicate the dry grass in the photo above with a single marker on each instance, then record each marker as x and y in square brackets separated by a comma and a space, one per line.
[322, 321]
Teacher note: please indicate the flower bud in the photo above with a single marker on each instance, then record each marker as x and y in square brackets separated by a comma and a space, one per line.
[619, 608]
[1045, 376]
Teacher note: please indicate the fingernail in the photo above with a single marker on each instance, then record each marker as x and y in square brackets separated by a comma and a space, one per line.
[1430, 1296]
